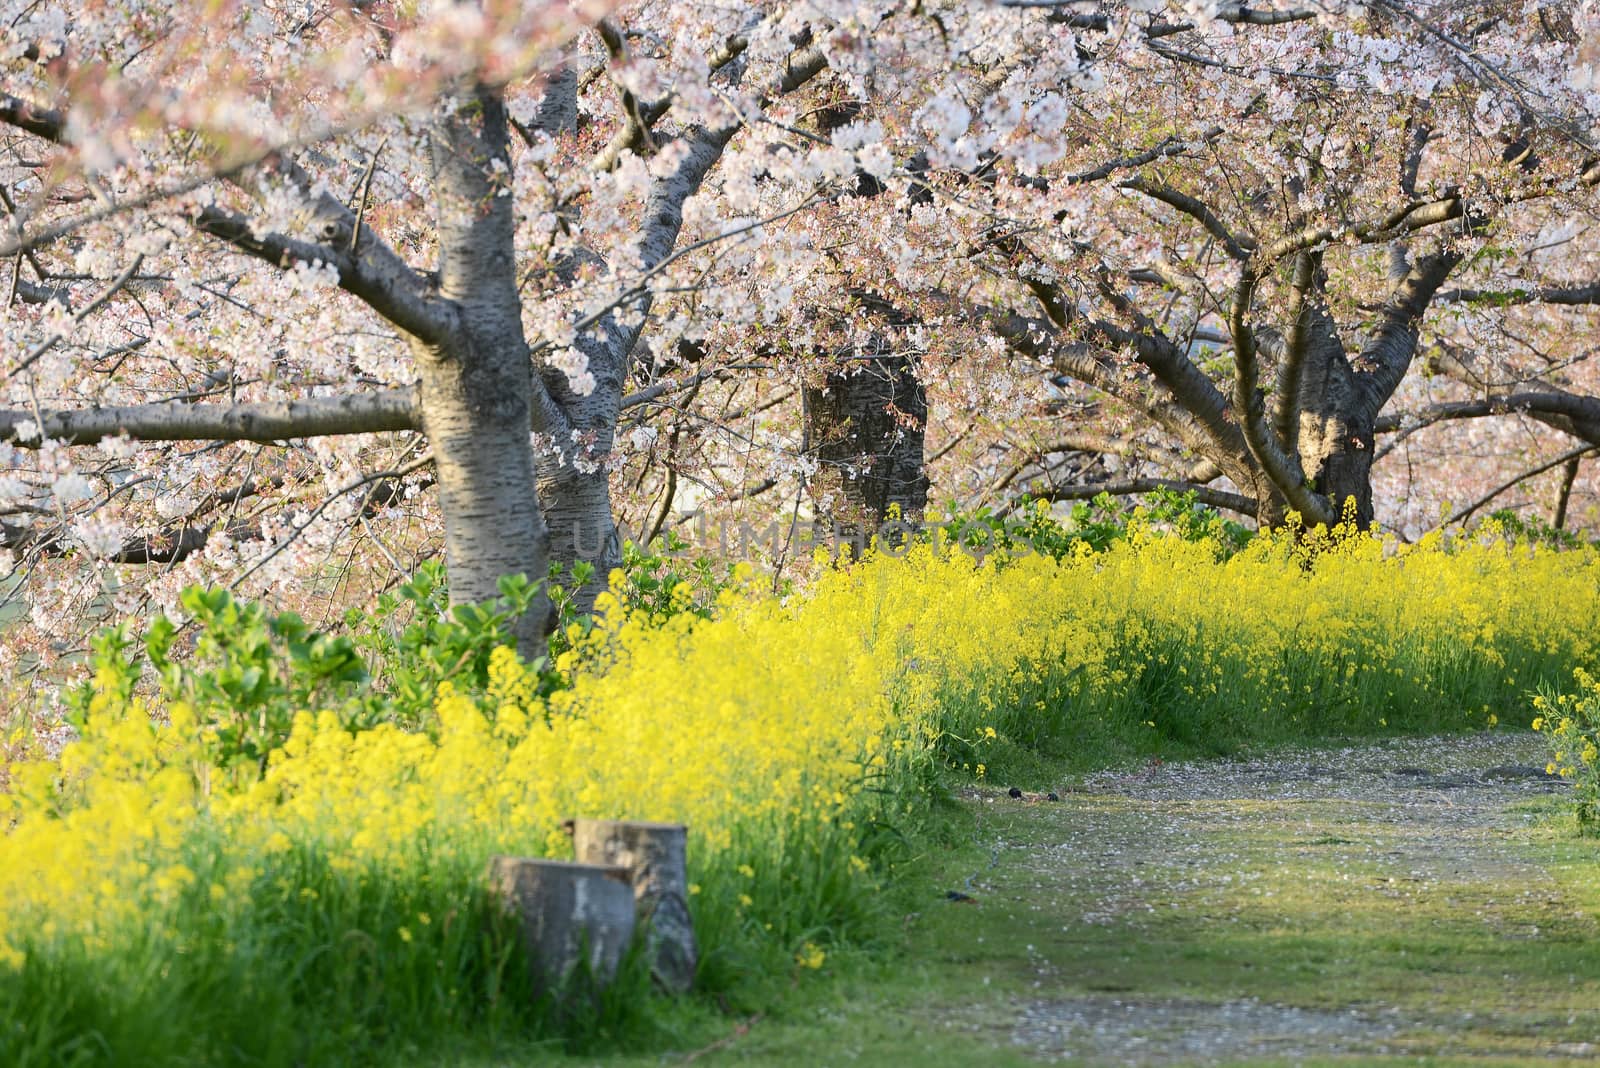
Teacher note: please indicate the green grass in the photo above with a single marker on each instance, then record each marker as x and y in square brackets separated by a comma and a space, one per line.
[1493, 957]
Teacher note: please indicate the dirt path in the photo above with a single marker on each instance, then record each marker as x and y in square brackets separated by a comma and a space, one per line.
[1355, 905]
[1408, 902]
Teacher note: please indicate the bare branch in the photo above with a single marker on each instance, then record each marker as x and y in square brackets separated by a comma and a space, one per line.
[1388, 352]
[379, 477]
[666, 385]
[1564, 458]
[1414, 215]
[1087, 443]
[1282, 468]
[1170, 146]
[356, 413]
[1238, 247]
[1238, 14]
[635, 133]
[1571, 405]
[1571, 295]
[1306, 314]
[1172, 367]
[41, 122]
[88, 309]
[374, 273]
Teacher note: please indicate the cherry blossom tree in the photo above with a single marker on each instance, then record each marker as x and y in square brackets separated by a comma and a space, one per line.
[300, 293]
[601, 224]
[1206, 251]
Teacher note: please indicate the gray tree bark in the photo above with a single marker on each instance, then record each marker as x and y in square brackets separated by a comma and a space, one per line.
[573, 477]
[574, 480]
[571, 915]
[656, 856]
[476, 388]
[1338, 399]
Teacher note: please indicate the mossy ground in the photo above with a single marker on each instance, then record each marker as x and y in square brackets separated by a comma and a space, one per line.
[1332, 906]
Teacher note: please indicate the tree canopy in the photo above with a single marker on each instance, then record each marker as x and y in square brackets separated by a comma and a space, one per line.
[302, 294]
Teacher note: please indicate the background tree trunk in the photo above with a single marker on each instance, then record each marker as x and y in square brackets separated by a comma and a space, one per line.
[865, 425]
[574, 475]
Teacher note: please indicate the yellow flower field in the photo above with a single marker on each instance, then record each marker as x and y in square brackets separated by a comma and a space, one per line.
[789, 736]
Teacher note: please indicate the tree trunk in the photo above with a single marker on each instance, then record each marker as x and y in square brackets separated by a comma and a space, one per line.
[476, 390]
[656, 855]
[571, 915]
[1323, 415]
[1569, 475]
[865, 427]
[582, 529]
[574, 476]
[1338, 398]
[1336, 440]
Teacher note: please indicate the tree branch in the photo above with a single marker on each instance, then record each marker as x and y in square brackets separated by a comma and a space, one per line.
[374, 273]
[1388, 352]
[41, 122]
[1170, 146]
[1281, 468]
[1238, 247]
[1306, 315]
[1571, 405]
[641, 118]
[267, 421]
[1194, 391]
[1570, 295]
[1414, 215]
[1564, 458]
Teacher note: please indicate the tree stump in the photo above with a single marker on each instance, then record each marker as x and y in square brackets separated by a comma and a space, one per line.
[656, 856]
[567, 909]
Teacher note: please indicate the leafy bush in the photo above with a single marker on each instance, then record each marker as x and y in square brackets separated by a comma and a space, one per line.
[243, 672]
[417, 641]
[1031, 526]
[655, 583]
[1534, 529]
[245, 675]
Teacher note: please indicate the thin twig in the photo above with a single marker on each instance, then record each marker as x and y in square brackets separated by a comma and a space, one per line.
[366, 188]
[1566, 457]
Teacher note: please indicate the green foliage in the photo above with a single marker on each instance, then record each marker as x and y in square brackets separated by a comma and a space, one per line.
[245, 674]
[315, 958]
[310, 962]
[1534, 529]
[417, 641]
[659, 581]
[1032, 526]
[245, 671]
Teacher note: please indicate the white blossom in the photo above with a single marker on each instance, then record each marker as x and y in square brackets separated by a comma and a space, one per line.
[308, 277]
[71, 487]
[571, 362]
[100, 538]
